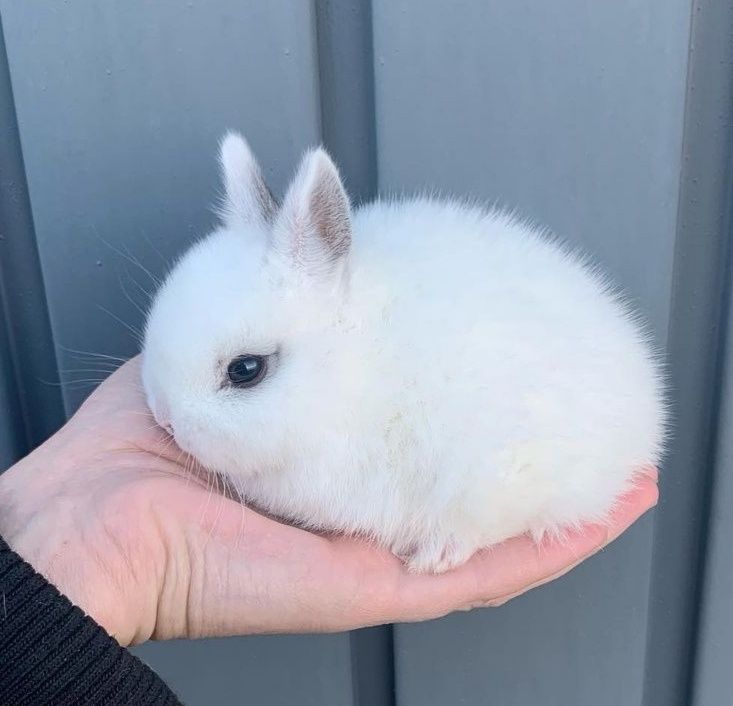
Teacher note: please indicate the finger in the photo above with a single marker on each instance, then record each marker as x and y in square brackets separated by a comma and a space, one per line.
[627, 510]
[518, 564]
[495, 572]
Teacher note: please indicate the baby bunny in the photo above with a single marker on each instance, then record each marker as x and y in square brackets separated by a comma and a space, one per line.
[434, 376]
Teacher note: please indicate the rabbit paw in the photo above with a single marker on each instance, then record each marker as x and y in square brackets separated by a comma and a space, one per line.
[439, 556]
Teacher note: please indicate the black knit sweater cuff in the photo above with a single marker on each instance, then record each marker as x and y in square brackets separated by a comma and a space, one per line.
[51, 653]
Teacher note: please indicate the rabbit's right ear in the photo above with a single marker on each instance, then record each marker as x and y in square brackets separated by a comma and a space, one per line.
[247, 200]
[312, 233]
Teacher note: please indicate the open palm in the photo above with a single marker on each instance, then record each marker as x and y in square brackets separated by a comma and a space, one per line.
[111, 512]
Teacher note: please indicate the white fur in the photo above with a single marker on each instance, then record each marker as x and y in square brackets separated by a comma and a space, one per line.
[453, 379]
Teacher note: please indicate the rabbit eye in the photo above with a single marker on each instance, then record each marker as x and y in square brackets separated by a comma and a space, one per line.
[246, 370]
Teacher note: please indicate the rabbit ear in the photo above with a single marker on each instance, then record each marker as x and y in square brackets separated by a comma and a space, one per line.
[313, 229]
[247, 200]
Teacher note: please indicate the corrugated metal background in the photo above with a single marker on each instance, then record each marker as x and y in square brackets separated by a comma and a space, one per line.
[609, 122]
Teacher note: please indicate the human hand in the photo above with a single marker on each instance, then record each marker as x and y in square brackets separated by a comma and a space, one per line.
[109, 511]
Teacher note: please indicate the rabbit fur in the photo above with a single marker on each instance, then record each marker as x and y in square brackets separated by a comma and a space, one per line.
[439, 377]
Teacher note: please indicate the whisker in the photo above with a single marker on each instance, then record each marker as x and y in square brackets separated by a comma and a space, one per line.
[67, 383]
[67, 371]
[155, 250]
[188, 468]
[128, 256]
[88, 360]
[148, 295]
[92, 354]
[163, 449]
[151, 427]
[142, 312]
[241, 534]
[208, 498]
[220, 510]
[135, 332]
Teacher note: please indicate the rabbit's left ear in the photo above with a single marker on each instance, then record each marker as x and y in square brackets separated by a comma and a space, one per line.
[312, 232]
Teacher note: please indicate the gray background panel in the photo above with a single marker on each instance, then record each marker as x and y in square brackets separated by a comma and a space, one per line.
[307, 670]
[569, 111]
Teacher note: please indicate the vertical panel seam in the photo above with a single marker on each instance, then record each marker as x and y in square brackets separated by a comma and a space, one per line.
[36, 423]
[342, 117]
[4, 298]
[347, 123]
[708, 319]
[706, 501]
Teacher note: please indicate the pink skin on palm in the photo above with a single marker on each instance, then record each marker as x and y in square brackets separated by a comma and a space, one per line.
[108, 511]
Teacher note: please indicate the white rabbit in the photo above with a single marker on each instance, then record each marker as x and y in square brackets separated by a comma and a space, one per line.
[434, 376]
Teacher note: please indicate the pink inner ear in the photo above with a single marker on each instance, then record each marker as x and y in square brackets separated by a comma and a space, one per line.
[313, 230]
[265, 199]
[329, 210]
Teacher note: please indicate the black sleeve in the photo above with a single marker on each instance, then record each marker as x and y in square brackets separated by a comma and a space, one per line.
[51, 653]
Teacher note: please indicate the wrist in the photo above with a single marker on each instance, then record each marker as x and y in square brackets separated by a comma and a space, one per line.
[75, 533]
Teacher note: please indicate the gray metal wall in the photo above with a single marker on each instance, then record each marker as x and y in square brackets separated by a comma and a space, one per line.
[607, 121]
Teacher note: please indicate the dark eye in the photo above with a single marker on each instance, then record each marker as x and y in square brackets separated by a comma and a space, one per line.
[246, 370]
